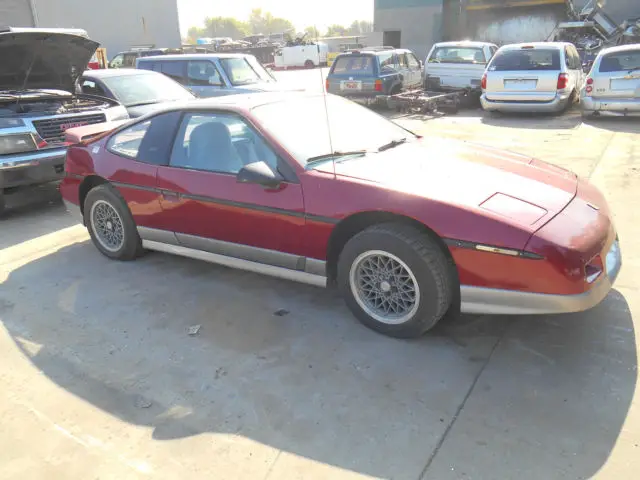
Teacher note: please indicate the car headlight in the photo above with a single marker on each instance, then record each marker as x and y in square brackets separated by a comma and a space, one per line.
[116, 113]
[17, 143]
[11, 122]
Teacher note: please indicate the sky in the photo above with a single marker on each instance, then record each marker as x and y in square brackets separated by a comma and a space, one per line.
[301, 12]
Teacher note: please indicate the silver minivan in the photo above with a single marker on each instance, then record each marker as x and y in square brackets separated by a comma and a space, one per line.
[613, 84]
[532, 77]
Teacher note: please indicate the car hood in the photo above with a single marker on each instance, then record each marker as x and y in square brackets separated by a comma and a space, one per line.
[514, 188]
[43, 60]
[268, 87]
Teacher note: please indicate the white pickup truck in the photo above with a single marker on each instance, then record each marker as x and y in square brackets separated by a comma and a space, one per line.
[454, 65]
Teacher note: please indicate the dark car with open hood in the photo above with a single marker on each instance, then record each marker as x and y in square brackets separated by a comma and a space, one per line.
[38, 102]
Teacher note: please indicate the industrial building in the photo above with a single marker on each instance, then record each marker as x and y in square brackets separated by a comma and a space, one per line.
[117, 24]
[418, 24]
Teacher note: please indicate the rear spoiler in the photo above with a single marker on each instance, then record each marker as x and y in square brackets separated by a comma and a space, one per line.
[86, 133]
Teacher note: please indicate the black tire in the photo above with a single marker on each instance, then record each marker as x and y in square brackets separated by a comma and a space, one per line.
[3, 205]
[309, 64]
[131, 245]
[426, 262]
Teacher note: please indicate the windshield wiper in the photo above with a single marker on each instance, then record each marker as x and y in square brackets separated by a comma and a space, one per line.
[634, 69]
[323, 158]
[392, 144]
[140, 104]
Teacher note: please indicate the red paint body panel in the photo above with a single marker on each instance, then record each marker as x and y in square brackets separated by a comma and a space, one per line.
[258, 228]
[442, 184]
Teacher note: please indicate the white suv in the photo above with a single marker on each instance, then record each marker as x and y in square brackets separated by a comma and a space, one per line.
[613, 84]
[455, 65]
[532, 77]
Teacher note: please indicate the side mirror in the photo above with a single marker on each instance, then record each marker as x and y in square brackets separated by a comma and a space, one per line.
[260, 173]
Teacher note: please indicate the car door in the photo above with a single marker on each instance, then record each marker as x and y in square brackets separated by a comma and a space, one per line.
[403, 69]
[616, 75]
[209, 210]
[204, 79]
[414, 67]
[135, 153]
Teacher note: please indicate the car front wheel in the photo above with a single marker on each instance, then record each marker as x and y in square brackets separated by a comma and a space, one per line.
[396, 280]
[111, 225]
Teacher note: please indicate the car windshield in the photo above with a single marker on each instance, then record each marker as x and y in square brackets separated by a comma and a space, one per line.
[301, 126]
[132, 90]
[526, 59]
[354, 65]
[620, 62]
[457, 55]
[241, 72]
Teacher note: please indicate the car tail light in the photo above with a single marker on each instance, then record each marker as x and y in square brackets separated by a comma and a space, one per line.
[483, 82]
[326, 84]
[589, 87]
[563, 81]
[378, 85]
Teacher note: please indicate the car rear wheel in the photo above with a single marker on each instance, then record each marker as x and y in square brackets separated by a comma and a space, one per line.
[309, 64]
[110, 224]
[396, 280]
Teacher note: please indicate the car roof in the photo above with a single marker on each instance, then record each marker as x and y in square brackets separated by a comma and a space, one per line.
[465, 43]
[620, 48]
[518, 46]
[193, 56]
[240, 103]
[117, 72]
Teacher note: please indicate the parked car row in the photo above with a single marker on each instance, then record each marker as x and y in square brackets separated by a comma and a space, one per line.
[531, 77]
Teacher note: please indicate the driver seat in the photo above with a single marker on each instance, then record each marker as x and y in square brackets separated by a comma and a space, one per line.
[210, 148]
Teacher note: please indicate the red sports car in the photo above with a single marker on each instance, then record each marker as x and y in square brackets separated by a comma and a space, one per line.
[318, 189]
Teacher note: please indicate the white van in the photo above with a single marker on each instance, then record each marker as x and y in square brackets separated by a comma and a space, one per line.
[455, 65]
[307, 56]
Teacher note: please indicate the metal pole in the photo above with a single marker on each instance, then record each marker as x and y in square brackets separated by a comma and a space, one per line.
[34, 12]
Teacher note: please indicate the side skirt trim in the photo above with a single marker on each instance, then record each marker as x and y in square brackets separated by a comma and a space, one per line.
[285, 273]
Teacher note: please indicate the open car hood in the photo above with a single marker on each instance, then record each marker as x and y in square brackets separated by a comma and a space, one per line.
[43, 60]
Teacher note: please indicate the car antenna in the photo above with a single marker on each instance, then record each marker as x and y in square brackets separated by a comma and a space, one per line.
[326, 108]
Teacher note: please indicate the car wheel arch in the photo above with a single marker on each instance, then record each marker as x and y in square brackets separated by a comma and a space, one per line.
[89, 183]
[354, 224]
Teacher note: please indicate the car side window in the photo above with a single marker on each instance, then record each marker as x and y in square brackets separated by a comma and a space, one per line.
[203, 73]
[174, 70]
[402, 60]
[149, 141]
[126, 143]
[414, 64]
[116, 62]
[92, 88]
[219, 142]
[129, 60]
[387, 62]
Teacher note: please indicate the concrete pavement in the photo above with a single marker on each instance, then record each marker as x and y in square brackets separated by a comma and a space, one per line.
[102, 380]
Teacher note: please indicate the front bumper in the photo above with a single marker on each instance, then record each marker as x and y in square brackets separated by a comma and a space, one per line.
[614, 106]
[555, 105]
[480, 300]
[32, 168]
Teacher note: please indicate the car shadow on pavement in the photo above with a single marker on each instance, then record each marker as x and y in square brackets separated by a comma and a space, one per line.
[32, 213]
[537, 121]
[187, 348]
[615, 124]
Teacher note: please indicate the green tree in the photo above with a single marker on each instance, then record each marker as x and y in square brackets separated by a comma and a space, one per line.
[336, 31]
[265, 22]
[312, 32]
[226, 27]
[360, 27]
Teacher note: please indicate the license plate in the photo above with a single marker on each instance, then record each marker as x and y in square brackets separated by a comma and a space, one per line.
[520, 83]
[351, 85]
[625, 83]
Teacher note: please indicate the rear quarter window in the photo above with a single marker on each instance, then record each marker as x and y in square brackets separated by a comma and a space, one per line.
[526, 59]
[354, 65]
[620, 62]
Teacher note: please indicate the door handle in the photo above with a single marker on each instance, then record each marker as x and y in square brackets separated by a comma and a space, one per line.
[170, 196]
